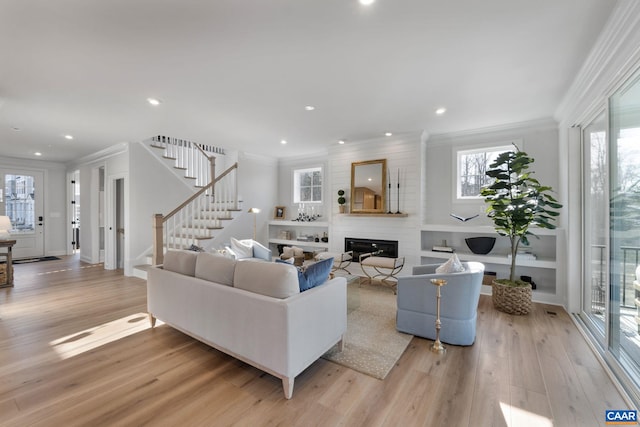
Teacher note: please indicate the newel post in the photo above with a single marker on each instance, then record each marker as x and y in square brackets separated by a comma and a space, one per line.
[158, 245]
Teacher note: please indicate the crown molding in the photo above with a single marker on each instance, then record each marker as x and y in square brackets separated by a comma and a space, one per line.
[613, 55]
[547, 123]
[119, 148]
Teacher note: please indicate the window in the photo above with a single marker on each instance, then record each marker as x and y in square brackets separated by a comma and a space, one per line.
[471, 168]
[307, 185]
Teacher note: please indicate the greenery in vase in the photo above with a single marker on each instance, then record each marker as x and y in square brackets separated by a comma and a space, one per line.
[517, 201]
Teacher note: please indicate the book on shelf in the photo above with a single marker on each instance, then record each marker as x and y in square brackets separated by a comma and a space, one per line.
[442, 249]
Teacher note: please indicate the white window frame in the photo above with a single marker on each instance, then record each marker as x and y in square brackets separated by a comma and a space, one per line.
[296, 184]
[465, 151]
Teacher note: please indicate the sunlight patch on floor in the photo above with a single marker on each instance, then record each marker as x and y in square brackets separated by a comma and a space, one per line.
[82, 341]
[84, 267]
[517, 417]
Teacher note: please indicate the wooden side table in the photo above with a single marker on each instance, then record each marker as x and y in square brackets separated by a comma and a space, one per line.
[9, 245]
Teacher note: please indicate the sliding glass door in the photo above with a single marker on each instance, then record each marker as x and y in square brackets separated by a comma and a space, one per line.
[596, 231]
[624, 222]
[611, 212]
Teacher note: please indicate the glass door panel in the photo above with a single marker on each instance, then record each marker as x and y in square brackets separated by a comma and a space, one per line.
[596, 209]
[22, 203]
[624, 212]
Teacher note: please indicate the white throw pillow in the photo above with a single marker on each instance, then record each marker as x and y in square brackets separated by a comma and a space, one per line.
[242, 248]
[453, 265]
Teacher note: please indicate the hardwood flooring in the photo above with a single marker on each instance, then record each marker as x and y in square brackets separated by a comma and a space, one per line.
[76, 349]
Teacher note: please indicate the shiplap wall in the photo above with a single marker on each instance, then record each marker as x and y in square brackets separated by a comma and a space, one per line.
[403, 153]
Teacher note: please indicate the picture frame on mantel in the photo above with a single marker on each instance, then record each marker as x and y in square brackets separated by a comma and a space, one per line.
[280, 212]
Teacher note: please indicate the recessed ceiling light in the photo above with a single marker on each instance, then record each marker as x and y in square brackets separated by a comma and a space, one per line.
[309, 108]
[366, 2]
[283, 142]
[440, 111]
[16, 129]
[388, 134]
[341, 142]
[37, 153]
[68, 137]
[154, 101]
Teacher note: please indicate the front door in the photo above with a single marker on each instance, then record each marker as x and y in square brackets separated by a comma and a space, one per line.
[21, 199]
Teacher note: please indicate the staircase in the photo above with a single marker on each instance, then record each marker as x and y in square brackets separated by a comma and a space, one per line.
[200, 218]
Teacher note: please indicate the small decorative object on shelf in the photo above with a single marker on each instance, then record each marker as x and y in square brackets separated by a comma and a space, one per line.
[341, 201]
[443, 248]
[306, 214]
[480, 245]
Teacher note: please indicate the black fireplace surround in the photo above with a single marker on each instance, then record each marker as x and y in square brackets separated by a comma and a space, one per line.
[384, 248]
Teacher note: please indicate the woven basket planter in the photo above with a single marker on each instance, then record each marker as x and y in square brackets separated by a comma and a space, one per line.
[511, 299]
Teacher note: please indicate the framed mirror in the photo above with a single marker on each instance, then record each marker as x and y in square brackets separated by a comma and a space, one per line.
[368, 186]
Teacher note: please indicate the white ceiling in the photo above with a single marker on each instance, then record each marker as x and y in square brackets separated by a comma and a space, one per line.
[238, 73]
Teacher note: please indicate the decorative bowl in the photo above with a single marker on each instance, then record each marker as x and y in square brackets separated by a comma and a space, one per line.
[480, 245]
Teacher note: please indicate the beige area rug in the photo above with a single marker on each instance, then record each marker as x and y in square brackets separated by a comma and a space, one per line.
[372, 343]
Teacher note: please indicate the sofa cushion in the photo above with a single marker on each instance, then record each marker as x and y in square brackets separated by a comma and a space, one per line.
[277, 280]
[242, 248]
[179, 261]
[315, 275]
[215, 268]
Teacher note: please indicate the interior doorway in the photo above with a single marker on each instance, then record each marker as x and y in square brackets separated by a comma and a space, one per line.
[119, 222]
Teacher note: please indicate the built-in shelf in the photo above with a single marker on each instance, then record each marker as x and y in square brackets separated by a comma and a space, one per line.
[297, 228]
[379, 215]
[542, 270]
[492, 259]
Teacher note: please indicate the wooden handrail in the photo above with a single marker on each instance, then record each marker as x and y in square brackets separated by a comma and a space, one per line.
[199, 193]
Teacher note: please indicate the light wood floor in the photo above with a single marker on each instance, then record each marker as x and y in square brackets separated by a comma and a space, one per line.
[76, 349]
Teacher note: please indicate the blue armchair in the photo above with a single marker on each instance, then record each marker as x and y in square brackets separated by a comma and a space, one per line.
[458, 304]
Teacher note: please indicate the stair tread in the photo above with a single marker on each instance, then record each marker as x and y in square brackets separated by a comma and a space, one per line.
[168, 157]
[190, 177]
[143, 267]
[157, 146]
[180, 168]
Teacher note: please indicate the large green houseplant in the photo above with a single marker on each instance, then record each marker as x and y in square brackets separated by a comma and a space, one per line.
[516, 201]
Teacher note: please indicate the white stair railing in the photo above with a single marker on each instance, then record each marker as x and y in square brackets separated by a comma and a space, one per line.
[198, 216]
[197, 160]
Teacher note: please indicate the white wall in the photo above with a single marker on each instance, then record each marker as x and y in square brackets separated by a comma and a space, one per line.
[285, 184]
[258, 188]
[614, 58]
[55, 238]
[401, 152]
[539, 139]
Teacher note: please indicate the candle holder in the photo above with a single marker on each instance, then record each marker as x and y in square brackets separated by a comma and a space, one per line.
[437, 346]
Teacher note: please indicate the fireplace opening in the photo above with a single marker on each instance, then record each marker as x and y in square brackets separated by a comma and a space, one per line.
[385, 248]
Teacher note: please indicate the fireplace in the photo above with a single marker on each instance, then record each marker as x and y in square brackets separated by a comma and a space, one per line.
[385, 248]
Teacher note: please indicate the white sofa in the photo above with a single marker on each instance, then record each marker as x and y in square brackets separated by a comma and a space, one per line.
[250, 310]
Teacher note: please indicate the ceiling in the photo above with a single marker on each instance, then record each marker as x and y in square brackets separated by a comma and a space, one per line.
[238, 73]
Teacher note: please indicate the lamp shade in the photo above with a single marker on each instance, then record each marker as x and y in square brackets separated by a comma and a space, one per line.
[5, 226]
[254, 210]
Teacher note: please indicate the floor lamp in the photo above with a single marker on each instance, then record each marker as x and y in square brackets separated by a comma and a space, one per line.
[254, 211]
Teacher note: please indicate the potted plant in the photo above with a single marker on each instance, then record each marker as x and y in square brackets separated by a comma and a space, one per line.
[341, 201]
[516, 201]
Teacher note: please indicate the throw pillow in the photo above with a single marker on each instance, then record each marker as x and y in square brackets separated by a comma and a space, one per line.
[290, 252]
[453, 265]
[195, 248]
[315, 275]
[242, 248]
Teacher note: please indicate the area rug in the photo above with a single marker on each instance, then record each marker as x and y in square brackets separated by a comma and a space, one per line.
[372, 344]
[30, 260]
